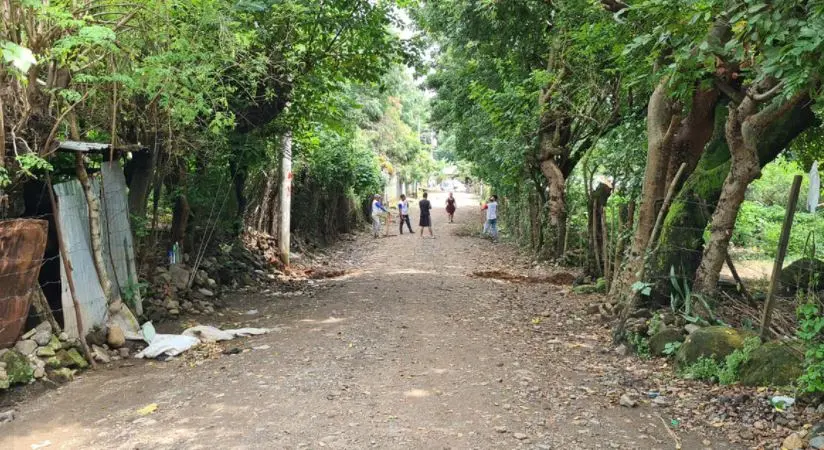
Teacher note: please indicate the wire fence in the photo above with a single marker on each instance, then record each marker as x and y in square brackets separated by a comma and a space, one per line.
[65, 277]
[748, 268]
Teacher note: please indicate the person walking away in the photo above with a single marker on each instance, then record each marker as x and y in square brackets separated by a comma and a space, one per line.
[426, 219]
[377, 211]
[403, 210]
[450, 207]
[491, 225]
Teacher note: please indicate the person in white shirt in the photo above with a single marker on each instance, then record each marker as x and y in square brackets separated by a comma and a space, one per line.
[491, 225]
[403, 210]
[377, 211]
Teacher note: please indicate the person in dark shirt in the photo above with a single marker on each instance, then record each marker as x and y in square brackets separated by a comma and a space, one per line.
[426, 219]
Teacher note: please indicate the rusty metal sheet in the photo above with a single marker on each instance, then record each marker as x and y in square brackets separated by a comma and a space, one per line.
[22, 244]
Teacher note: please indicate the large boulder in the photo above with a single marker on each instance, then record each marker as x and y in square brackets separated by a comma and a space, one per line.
[773, 364]
[115, 337]
[18, 368]
[712, 342]
[180, 276]
[805, 274]
[658, 341]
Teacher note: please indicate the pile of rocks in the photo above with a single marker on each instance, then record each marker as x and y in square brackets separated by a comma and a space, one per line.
[171, 295]
[40, 353]
[108, 344]
[603, 310]
[812, 437]
[262, 249]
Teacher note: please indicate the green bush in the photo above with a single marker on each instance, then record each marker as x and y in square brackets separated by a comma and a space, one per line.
[772, 188]
[704, 368]
[759, 227]
[810, 326]
[729, 372]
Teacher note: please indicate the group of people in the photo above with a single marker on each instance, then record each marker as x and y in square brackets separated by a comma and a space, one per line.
[378, 211]
[425, 222]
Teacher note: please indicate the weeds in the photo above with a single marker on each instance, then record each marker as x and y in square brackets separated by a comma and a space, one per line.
[640, 344]
[727, 372]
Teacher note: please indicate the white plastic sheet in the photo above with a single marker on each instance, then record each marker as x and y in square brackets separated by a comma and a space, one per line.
[815, 188]
[175, 344]
[168, 344]
[208, 333]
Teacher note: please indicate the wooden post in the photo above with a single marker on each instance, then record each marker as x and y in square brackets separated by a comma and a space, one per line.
[783, 242]
[285, 197]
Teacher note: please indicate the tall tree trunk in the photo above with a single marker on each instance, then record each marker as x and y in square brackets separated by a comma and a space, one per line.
[668, 133]
[682, 233]
[557, 204]
[662, 123]
[238, 174]
[595, 218]
[181, 210]
[139, 173]
[626, 219]
[672, 141]
[746, 126]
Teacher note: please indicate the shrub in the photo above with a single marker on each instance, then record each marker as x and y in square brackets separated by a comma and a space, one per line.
[810, 326]
[640, 344]
[727, 372]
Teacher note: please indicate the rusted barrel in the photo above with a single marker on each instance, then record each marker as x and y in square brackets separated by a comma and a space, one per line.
[22, 244]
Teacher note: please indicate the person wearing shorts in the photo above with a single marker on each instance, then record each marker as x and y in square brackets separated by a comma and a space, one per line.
[491, 225]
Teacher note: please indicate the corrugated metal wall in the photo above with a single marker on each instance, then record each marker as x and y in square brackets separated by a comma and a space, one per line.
[118, 247]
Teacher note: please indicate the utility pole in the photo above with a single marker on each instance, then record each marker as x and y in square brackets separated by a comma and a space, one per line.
[284, 237]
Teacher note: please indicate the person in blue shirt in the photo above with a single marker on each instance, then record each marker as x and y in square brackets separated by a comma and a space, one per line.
[403, 210]
[377, 211]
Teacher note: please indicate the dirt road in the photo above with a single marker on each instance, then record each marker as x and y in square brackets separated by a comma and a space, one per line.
[406, 352]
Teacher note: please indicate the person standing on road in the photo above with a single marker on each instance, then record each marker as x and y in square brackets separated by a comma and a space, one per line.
[426, 219]
[491, 225]
[450, 207]
[377, 211]
[483, 219]
[403, 210]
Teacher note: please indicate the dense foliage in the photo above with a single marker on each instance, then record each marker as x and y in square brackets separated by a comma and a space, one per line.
[211, 89]
[585, 116]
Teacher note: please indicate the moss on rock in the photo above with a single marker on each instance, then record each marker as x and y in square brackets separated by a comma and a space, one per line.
[772, 364]
[716, 342]
[658, 342]
[72, 358]
[18, 368]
